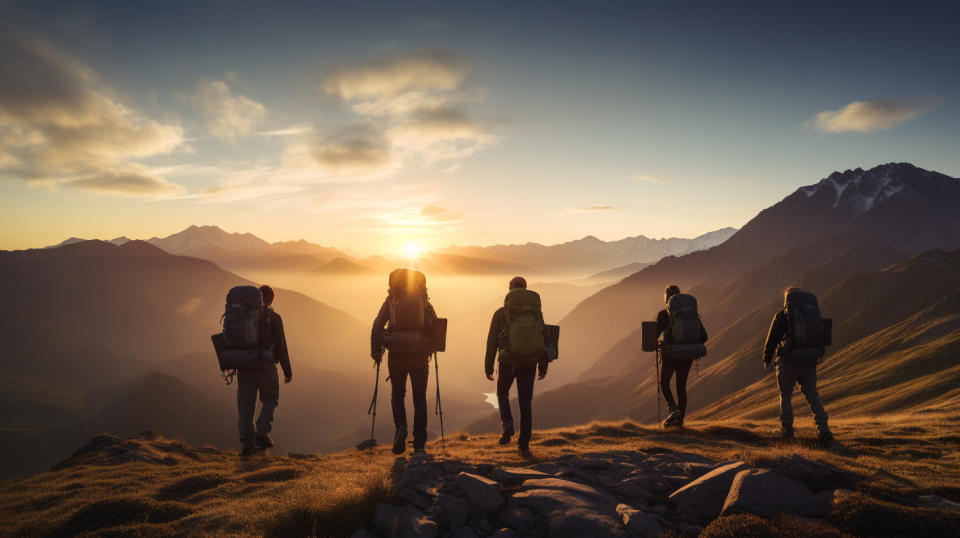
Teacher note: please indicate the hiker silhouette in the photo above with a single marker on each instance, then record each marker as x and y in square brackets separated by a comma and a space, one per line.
[683, 339]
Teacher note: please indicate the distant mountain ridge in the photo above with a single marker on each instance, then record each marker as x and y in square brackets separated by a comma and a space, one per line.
[590, 254]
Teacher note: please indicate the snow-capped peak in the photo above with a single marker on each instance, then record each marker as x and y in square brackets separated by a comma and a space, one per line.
[860, 190]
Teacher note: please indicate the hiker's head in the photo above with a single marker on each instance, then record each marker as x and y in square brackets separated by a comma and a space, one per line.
[671, 290]
[267, 293]
[789, 289]
[518, 282]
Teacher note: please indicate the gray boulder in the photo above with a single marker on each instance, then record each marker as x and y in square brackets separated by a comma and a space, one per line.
[466, 532]
[514, 476]
[482, 494]
[815, 475]
[523, 520]
[451, 511]
[706, 494]
[571, 509]
[638, 522]
[767, 493]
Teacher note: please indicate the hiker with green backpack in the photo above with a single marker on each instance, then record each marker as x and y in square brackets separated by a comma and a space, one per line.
[517, 331]
[798, 335]
[404, 326]
[683, 342]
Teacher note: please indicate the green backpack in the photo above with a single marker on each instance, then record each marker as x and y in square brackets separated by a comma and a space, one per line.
[521, 341]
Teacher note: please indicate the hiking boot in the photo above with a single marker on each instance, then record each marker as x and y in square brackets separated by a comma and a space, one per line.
[673, 419]
[825, 437]
[507, 435]
[525, 451]
[264, 441]
[786, 433]
[248, 450]
[400, 441]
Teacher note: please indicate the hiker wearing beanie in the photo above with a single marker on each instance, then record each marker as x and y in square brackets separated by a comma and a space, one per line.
[683, 339]
[516, 331]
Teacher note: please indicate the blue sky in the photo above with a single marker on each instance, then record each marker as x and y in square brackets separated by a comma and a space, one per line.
[367, 125]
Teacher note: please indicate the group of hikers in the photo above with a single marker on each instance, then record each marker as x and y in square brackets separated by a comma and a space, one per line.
[252, 343]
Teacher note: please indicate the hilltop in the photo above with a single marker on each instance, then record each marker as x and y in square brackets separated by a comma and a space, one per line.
[896, 476]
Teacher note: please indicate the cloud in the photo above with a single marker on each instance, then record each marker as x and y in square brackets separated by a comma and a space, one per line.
[595, 208]
[359, 146]
[441, 133]
[227, 115]
[293, 130]
[869, 116]
[425, 69]
[440, 214]
[648, 179]
[58, 126]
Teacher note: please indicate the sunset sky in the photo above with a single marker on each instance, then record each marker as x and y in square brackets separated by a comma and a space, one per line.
[364, 125]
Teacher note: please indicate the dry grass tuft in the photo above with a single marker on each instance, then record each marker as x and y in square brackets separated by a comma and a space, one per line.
[740, 525]
[864, 516]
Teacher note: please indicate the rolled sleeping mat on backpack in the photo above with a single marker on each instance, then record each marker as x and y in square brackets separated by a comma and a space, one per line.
[684, 352]
[242, 359]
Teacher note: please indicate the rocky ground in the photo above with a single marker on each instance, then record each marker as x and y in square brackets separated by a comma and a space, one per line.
[896, 477]
[613, 493]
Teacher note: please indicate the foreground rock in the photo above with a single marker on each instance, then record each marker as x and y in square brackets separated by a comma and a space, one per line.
[707, 494]
[768, 493]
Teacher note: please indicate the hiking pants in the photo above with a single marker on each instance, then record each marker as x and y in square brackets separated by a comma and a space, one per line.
[524, 376]
[418, 372]
[266, 382]
[803, 373]
[682, 368]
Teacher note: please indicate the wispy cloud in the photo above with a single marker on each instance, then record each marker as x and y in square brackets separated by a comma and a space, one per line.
[425, 69]
[226, 114]
[595, 208]
[60, 126]
[293, 130]
[869, 116]
[441, 133]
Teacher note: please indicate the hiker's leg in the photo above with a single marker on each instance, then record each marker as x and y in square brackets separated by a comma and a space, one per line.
[525, 377]
[807, 379]
[666, 372]
[398, 385]
[505, 375]
[246, 404]
[269, 384]
[786, 379]
[418, 386]
[683, 370]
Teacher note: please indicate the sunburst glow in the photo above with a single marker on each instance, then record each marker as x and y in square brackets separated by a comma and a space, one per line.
[412, 250]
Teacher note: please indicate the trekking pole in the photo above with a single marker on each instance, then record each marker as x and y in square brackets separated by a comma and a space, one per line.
[372, 410]
[656, 360]
[439, 409]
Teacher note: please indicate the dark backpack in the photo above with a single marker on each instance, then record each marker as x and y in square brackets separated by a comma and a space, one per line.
[407, 301]
[805, 328]
[684, 330]
[243, 319]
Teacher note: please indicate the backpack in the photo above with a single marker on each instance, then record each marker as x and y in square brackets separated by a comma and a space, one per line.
[805, 328]
[522, 341]
[407, 301]
[242, 342]
[684, 330]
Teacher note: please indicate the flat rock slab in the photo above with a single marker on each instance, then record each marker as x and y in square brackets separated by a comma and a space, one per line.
[403, 522]
[815, 475]
[571, 509]
[707, 494]
[514, 476]
[637, 522]
[767, 493]
[482, 494]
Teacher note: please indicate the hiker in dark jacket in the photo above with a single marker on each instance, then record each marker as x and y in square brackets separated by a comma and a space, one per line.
[793, 372]
[265, 381]
[508, 371]
[670, 366]
[400, 366]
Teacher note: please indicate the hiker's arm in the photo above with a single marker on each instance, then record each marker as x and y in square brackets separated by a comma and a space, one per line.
[280, 347]
[703, 333]
[493, 340]
[774, 335]
[663, 319]
[376, 334]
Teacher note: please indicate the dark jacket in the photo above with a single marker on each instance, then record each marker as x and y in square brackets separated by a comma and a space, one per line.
[778, 330]
[278, 340]
[497, 324]
[663, 323]
[379, 329]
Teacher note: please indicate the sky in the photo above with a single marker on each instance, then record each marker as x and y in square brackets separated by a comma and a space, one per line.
[366, 125]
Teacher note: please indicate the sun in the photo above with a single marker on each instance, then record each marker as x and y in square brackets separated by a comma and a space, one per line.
[412, 250]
